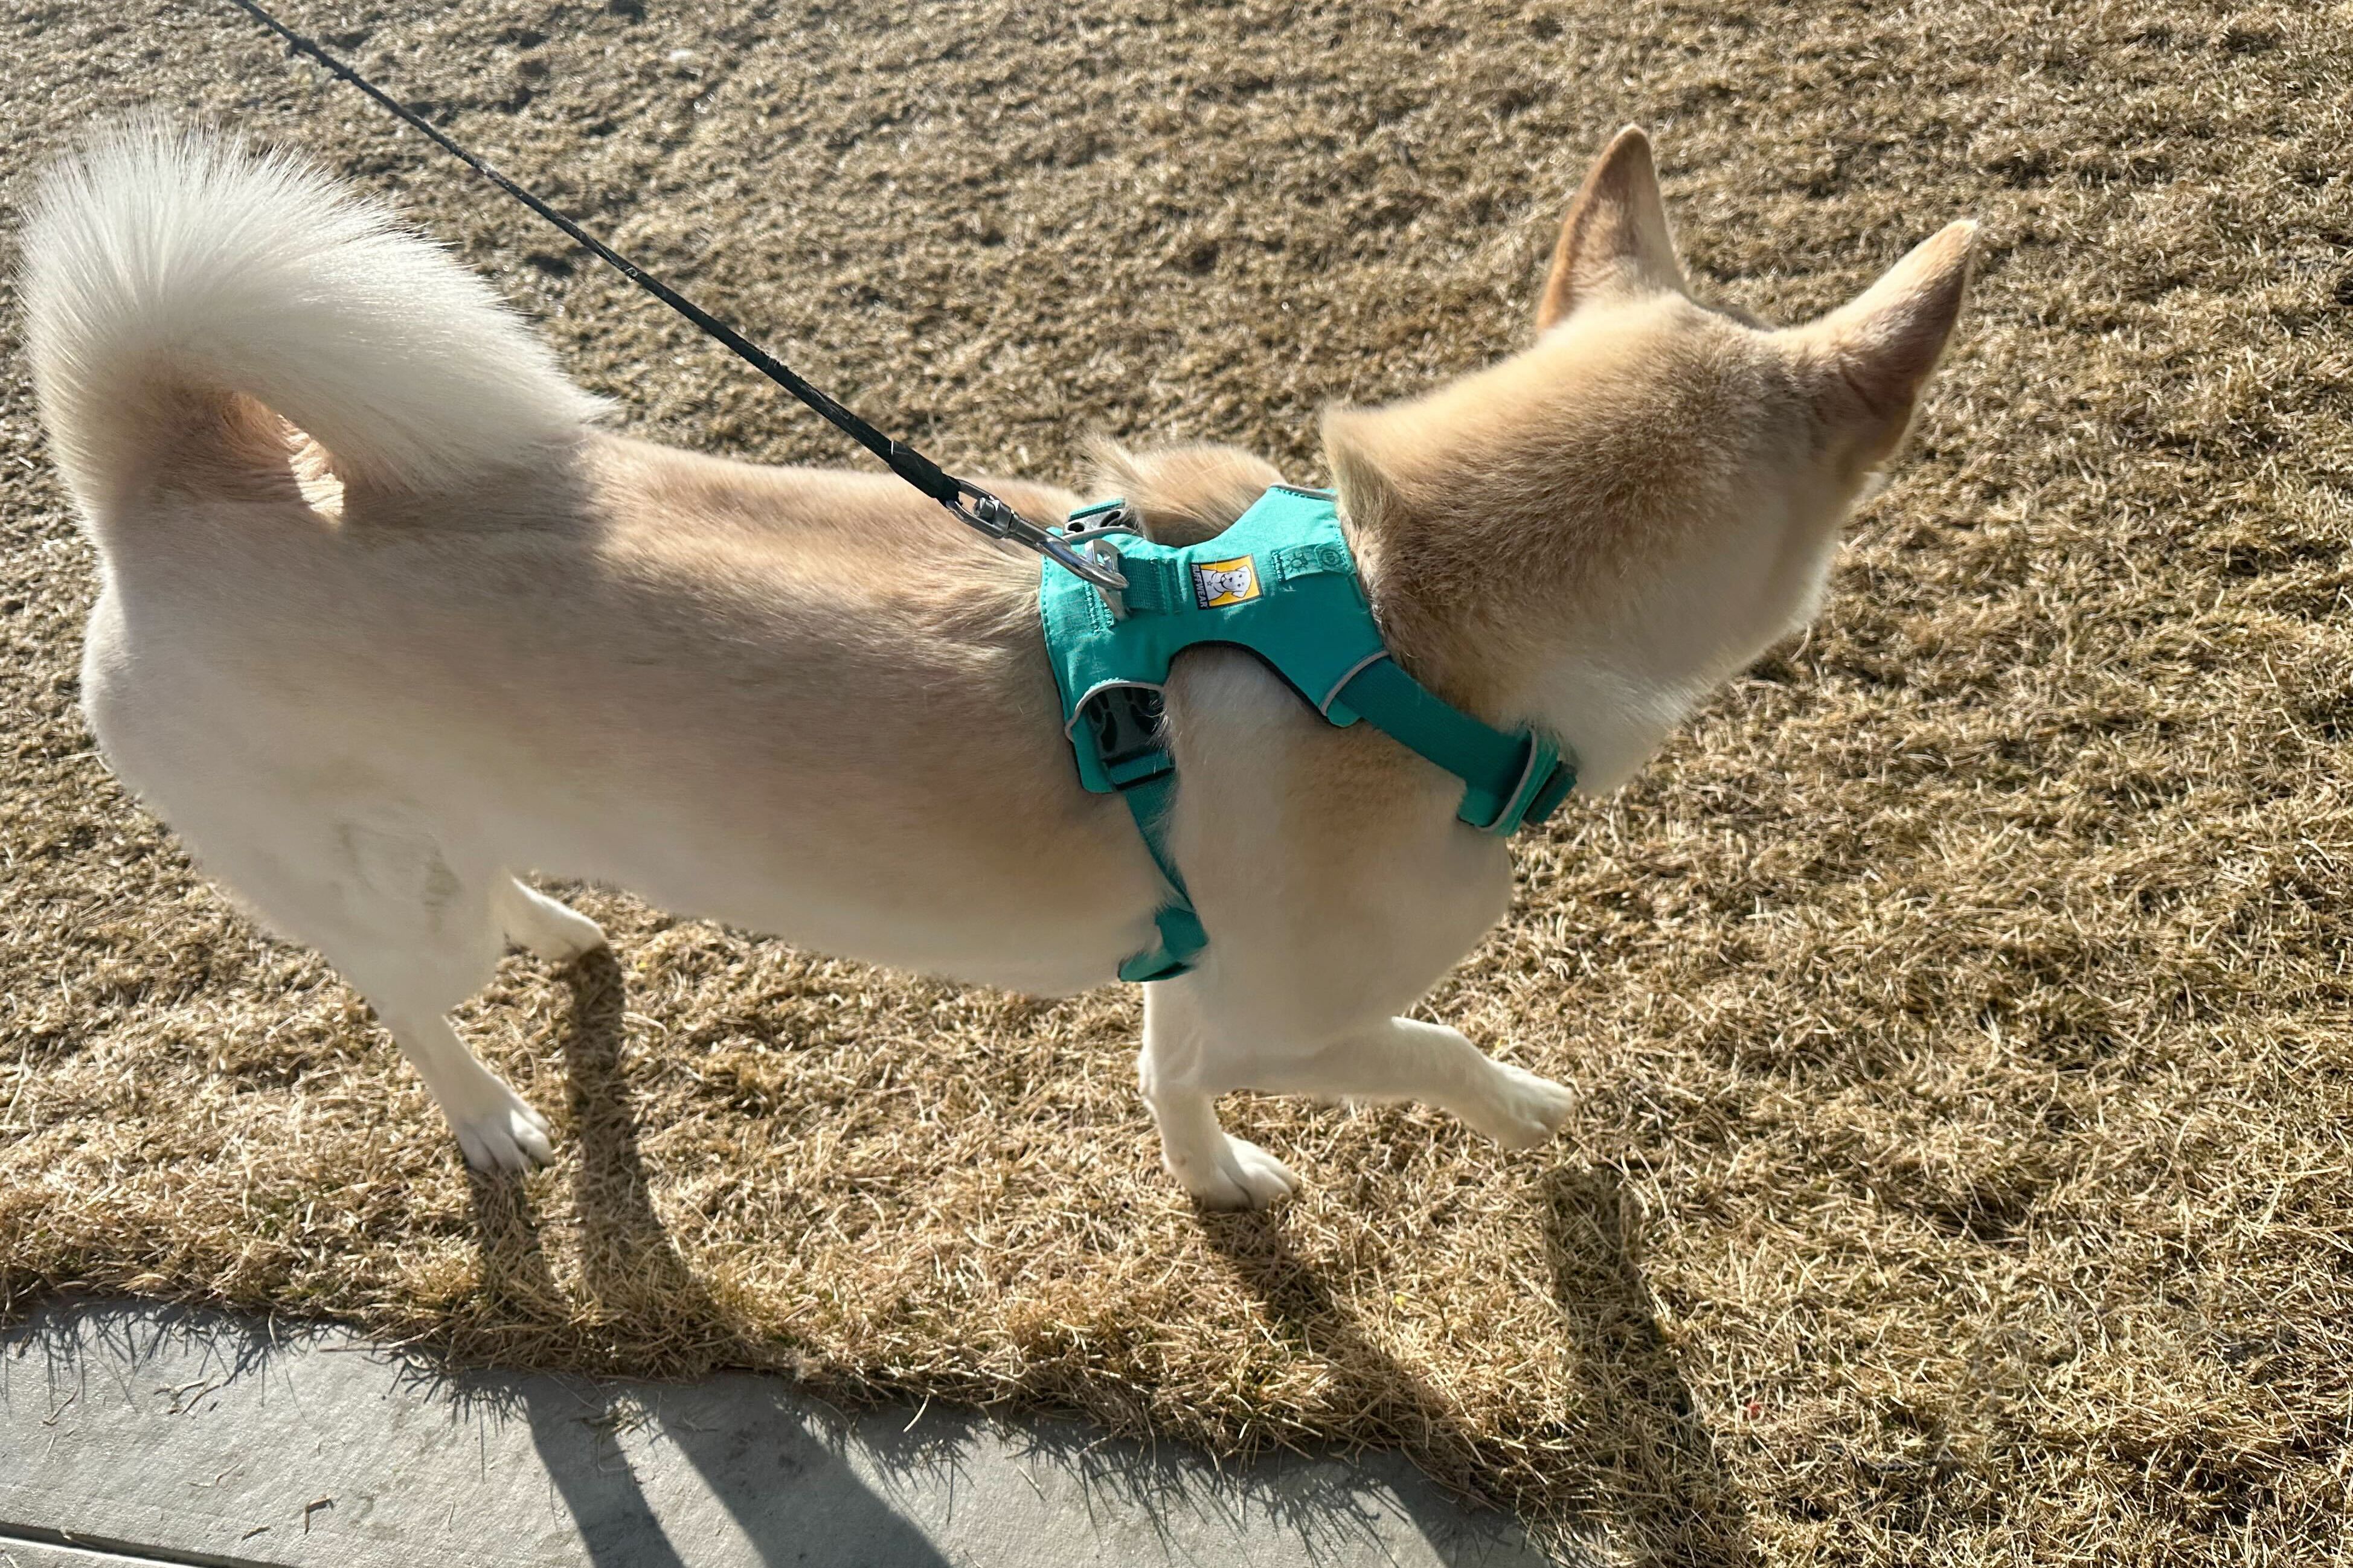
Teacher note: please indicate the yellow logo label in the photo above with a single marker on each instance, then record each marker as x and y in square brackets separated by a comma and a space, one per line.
[1216, 582]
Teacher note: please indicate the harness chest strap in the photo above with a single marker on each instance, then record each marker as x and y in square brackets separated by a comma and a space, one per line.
[1280, 583]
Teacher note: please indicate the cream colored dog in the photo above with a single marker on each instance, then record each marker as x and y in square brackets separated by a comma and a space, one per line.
[385, 620]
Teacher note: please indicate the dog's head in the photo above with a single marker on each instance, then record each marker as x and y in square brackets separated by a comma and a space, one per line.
[1596, 531]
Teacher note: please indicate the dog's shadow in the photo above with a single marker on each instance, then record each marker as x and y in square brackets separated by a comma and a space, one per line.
[1654, 1480]
[631, 1271]
[629, 1268]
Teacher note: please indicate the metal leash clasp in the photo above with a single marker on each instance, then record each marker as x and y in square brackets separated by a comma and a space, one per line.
[1090, 530]
[989, 514]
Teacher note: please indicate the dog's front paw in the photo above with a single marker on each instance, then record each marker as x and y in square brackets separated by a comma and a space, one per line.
[560, 945]
[1240, 1175]
[552, 929]
[1521, 1110]
[503, 1131]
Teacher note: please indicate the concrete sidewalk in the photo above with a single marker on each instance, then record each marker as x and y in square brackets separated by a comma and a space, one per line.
[136, 1433]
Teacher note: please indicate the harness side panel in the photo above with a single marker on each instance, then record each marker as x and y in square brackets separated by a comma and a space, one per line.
[1280, 583]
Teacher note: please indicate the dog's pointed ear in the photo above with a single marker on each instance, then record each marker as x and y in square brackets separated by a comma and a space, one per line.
[1879, 349]
[1615, 240]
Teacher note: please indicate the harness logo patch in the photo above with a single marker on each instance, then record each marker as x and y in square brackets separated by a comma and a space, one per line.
[1216, 582]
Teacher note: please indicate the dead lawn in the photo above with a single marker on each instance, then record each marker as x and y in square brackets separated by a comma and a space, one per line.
[1959, 1010]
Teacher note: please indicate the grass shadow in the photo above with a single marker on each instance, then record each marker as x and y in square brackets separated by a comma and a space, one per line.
[628, 1264]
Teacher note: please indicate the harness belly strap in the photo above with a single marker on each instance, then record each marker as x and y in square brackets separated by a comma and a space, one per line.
[1281, 583]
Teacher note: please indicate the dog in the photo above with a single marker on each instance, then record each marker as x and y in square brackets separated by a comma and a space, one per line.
[386, 620]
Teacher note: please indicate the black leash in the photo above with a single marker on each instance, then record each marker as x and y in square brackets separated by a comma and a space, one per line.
[968, 501]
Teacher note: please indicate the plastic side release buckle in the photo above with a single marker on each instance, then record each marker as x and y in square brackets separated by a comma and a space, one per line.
[1124, 722]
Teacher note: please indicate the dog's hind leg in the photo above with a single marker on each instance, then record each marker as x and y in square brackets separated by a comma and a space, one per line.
[409, 924]
[418, 933]
[534, 921]
[497, 1128]
[332, 857]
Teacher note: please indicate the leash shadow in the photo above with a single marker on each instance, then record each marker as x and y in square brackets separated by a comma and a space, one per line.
[1655, 1481]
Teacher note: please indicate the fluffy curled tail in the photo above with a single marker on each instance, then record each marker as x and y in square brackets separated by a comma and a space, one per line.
[168, 274]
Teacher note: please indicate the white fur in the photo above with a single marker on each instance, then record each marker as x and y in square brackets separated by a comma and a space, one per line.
[161, 258]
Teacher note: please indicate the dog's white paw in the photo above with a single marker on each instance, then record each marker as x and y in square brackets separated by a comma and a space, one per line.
[503, 1131]
[547, 927]
[558, 933]
[567, 934]
[1521, 1110]
[1239, 1175]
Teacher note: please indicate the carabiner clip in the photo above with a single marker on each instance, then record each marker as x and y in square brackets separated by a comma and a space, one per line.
[989, 514]
[1089, 530]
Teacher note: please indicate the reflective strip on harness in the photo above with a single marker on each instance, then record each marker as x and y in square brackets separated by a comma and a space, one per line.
[1280, 583]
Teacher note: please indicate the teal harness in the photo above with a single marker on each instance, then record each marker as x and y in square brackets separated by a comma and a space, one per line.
[1280, 583]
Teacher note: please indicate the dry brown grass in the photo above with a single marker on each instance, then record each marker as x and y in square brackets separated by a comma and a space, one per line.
[1959, 1010]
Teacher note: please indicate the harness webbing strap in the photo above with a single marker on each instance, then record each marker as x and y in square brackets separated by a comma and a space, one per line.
[1182, 935]
[1508, 781]
[1499, 771]
[1155, 584]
